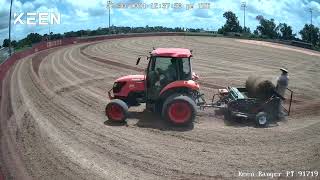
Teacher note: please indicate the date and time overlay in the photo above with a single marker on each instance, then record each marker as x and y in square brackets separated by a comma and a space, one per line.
[155, 5]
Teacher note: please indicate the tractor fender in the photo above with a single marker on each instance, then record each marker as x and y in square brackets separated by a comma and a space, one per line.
[190, 84]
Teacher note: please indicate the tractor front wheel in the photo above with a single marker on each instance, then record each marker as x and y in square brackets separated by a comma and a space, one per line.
[117, 110]
[179, 109]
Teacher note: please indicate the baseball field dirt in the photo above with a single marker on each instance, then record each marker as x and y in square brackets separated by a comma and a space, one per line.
[53, 124]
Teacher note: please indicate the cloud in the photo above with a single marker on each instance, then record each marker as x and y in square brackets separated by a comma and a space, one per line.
[315, 6]
[28, 6]
[202, 13]
[4, 14]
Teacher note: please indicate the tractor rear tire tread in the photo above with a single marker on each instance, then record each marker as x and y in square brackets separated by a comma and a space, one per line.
[227, 114]
[179, 97]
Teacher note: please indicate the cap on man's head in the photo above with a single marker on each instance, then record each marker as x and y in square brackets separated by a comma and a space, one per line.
[284, 70]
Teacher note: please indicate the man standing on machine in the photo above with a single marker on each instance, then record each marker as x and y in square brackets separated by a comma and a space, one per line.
[282, 84]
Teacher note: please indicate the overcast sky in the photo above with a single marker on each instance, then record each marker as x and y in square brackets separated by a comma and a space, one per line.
[91, 14]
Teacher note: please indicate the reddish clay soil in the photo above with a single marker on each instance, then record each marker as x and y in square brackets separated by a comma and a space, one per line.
[53, 124]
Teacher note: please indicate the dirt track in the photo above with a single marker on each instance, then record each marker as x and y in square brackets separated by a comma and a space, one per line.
[53, 123]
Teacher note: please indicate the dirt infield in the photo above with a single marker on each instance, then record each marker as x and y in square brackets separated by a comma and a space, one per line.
[53, 123]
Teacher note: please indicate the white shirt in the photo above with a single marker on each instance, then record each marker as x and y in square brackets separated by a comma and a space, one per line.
[282, 83]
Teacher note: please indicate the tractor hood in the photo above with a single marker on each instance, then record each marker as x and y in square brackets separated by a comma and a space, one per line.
[131, 78]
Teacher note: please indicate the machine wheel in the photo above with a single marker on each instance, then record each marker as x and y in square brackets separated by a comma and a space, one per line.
[179, 109]
[227, 114]
[117, 110]
[262, 119]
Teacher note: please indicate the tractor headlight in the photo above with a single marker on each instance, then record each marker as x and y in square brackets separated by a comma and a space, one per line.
[117, 86]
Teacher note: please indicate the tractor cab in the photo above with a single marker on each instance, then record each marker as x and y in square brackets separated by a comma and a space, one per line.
[166, 66]
[167, 87]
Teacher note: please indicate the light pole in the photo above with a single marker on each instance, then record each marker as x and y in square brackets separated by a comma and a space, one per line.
[310, 10]
[109, 7]
[49, 35]
[244, 6]
[10, 28]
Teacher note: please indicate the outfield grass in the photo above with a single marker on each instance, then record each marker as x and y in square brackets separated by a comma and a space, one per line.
[22, 48]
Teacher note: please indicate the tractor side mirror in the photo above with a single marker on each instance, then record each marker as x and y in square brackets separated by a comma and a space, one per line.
[138, 60]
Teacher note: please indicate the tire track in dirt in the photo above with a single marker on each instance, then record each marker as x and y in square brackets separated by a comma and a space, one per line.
[11, 160]
[110, 62]
[38, 57]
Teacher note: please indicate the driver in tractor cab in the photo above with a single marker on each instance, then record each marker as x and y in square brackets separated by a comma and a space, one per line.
[169, 75]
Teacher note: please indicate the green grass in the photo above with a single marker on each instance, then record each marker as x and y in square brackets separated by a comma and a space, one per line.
[181, 33]
[22, 48]
[202, 34]
[1, 59]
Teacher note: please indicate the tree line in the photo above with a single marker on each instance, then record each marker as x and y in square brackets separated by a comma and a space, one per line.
[267, 29]
[33, 38]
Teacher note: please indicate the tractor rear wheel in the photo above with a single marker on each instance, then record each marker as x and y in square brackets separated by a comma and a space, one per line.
[227, 114]
[117, 110]
[179, 109]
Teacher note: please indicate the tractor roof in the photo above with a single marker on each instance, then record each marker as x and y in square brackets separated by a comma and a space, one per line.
[172, 52]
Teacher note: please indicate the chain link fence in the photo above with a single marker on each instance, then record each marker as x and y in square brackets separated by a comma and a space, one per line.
[4, 54]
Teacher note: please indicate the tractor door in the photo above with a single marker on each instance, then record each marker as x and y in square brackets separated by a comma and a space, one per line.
[161, 71]
[185, 69]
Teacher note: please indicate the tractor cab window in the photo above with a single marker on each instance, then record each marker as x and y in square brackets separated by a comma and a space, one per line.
[186, 69]
[164, 70]
[167, 70]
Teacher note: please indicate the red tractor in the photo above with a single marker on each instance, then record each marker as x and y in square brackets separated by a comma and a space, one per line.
[168, 87]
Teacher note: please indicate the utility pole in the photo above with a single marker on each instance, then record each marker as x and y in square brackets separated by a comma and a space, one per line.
[244, 6]
[10, 28]
[109, 7]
